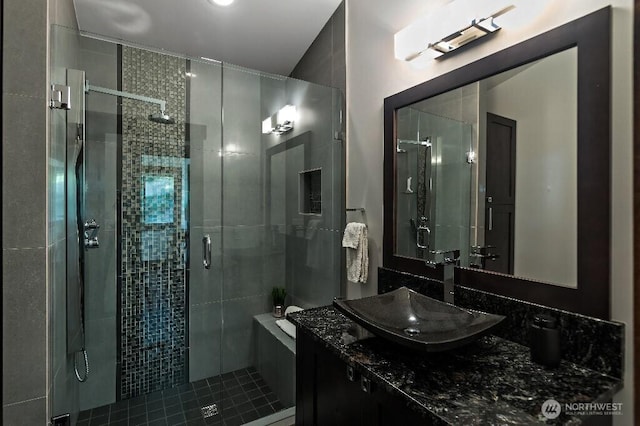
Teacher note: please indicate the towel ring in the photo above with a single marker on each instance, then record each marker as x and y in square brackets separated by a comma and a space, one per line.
[362, 212]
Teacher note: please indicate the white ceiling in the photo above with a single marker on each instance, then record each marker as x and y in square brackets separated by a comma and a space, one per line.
[266, 35]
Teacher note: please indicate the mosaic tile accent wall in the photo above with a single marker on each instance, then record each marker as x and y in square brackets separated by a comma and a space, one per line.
[154, 226]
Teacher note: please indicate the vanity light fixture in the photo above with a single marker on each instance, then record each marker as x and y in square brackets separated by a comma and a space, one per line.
[221, 2]
[281, 122]
[449, 28]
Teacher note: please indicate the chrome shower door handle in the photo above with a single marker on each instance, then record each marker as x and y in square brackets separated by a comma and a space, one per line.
[423, 228]
[206, 251]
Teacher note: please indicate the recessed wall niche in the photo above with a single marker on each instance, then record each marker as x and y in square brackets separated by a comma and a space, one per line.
[310, 195]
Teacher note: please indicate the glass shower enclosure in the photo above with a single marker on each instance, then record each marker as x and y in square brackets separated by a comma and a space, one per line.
[184, 207]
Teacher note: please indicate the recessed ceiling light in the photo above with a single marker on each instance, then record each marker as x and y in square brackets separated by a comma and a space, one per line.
[221, 2]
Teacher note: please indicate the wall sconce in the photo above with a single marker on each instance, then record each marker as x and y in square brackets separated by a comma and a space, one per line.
[449, 28]
[281, 122]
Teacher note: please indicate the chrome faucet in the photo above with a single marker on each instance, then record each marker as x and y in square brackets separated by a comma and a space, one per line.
[449, 260]
[480, 255]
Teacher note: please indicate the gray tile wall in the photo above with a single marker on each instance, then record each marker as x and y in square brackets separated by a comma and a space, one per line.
[308, 264]
[325, 62]
[275, 358]
[24, 213]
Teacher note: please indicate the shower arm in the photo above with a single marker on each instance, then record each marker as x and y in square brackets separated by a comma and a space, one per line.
[88, 87]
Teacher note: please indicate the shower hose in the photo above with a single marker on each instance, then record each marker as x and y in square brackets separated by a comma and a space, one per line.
[86, 365]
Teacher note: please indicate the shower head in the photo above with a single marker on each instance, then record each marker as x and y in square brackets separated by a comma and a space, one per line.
[161, 118]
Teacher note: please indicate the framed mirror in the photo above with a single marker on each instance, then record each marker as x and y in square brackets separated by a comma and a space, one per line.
[507, 160]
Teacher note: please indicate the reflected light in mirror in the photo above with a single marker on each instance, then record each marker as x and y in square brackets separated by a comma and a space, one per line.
[281, 122]
[267, 125]
[287, 114]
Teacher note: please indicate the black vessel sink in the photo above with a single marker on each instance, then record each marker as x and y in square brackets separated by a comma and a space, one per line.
[420, 322]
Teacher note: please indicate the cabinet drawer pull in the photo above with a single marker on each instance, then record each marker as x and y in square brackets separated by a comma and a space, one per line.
[351, 373]
[365, 385]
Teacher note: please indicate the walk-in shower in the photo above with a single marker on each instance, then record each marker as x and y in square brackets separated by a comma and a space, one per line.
[156, 153]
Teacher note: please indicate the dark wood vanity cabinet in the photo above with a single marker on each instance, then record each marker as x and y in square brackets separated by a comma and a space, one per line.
[330, 392]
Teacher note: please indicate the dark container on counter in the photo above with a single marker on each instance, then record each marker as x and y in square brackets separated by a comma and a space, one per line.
[545, 341]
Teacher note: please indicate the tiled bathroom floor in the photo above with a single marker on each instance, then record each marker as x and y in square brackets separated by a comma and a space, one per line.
[241, 396]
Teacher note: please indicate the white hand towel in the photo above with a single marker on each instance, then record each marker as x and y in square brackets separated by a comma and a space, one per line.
[356, 242]
[353, 234]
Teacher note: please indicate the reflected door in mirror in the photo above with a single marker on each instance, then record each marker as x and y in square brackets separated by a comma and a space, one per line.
[500, 194]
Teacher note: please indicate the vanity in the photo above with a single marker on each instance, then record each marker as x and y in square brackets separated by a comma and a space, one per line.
[345, 377]
[496, 199]
[491, 381]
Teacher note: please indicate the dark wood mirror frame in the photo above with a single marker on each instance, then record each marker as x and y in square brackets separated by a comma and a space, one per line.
[592, 35]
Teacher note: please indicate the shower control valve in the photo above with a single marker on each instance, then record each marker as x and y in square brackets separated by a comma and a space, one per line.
[91, 228]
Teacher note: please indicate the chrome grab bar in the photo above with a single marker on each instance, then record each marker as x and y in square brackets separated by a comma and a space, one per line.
[206, 251]
[423, 227]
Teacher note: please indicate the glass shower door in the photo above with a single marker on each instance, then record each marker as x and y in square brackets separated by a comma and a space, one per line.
[245, 290]
[451, 175]
[206, 276]
[282, 218]
[433, 185]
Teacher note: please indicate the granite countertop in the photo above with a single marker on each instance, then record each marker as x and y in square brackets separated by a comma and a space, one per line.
[491, 381]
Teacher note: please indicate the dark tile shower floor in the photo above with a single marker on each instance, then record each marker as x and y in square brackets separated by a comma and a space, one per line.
[241, 396]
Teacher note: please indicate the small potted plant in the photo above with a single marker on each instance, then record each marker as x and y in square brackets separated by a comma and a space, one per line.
[278, 294]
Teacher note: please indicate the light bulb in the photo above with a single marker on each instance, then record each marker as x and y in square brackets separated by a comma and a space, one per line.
[221, 2]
